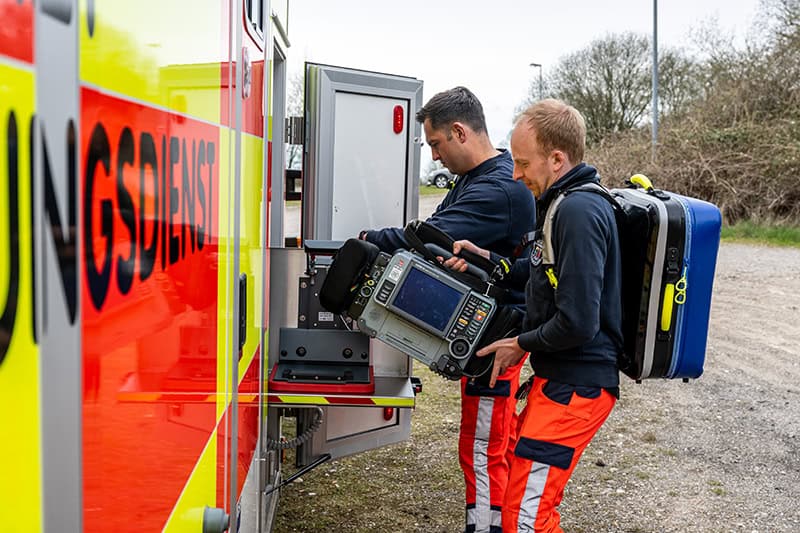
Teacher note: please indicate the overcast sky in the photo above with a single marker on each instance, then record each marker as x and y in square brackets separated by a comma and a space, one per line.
[486, 46]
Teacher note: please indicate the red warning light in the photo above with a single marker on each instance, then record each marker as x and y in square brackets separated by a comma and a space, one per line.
[398, 119]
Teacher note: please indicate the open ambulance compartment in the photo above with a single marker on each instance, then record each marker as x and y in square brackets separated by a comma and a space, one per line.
[361, 150]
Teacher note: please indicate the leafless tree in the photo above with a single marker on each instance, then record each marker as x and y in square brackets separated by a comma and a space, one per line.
[760, 81]
[609, 81]
[736, 145]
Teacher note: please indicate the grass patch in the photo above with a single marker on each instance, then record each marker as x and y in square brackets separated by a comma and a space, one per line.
[717, 488]
[411, 486]
[430, 190]
[649, 437]
[751, 232]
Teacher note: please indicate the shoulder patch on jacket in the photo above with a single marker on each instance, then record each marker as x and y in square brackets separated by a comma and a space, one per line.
[536, 252]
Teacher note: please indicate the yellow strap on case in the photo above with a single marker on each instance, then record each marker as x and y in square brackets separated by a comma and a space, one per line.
[666, 309]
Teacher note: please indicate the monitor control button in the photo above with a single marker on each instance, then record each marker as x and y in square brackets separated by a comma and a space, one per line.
[459, 348]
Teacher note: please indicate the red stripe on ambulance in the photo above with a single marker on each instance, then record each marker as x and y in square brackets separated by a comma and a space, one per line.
[148, 193]
[16, 29]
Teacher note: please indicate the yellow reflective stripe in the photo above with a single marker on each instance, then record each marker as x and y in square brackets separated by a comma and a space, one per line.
[394, 402]
[199, 491]
[251, 196]
[666, 309]
[224, 275]
[303, 399]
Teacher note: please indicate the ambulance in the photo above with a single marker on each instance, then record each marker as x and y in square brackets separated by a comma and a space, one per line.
[161, 339]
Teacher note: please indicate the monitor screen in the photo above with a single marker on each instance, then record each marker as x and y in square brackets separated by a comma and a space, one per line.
[427, 299]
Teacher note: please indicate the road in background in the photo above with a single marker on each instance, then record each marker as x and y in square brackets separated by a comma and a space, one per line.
[291, 213]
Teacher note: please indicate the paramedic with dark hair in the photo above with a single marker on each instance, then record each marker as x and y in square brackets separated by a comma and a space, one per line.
[573, 327]
[488, 207]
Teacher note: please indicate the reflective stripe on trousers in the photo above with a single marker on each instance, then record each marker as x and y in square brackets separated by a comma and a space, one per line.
[555, 427]
[488, 422]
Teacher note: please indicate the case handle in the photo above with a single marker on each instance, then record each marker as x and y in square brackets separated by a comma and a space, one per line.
[642, 181]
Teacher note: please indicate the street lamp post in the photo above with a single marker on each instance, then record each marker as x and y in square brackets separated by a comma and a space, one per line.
[541, 87]
[654, 104]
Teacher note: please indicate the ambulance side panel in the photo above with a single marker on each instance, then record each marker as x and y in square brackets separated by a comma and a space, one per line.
[21, 445]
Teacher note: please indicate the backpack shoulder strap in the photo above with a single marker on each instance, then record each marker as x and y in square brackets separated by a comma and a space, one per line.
[548, 256]
[597, 189]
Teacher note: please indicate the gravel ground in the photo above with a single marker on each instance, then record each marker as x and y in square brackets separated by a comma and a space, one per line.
[718, 454]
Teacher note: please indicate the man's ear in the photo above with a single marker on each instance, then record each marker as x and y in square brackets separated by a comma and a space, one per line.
[559, 159]
[459, 131]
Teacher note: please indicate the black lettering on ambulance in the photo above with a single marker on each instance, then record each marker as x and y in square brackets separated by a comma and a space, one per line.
[147, 158]
[179, 185]
[125, 266]
[98, 279]
[188, 199]
[9, 314]
[65, 241]
[174, 198]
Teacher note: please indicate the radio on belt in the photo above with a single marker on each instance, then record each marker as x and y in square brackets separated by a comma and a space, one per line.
[415, 307]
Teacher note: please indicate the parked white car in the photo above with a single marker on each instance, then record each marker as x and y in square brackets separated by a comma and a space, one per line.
[440, 178]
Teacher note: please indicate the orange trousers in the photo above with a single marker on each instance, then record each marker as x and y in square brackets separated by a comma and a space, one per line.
[485, 445]
[555, 427]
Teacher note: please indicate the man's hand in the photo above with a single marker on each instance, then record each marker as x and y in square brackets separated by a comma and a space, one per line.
[457, 263]
[507, 353]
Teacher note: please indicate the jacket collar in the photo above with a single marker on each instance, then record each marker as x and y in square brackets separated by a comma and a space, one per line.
[488, 165]
[579, 175]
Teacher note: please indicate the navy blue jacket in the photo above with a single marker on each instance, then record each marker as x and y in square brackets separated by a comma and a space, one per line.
[574, 332]
[486, 206]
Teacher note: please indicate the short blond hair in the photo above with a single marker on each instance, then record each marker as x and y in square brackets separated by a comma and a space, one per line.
[558, 126]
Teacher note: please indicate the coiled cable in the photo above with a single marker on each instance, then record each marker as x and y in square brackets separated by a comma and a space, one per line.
[273, 444]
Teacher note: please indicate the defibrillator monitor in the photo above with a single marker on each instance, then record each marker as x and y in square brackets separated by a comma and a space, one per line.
[421, 310]
[426, 300]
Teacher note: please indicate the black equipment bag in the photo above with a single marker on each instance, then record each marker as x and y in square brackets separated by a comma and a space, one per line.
[350, 263]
